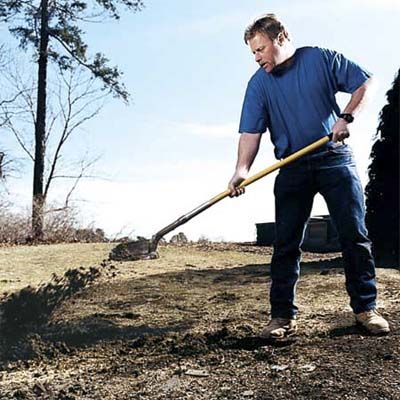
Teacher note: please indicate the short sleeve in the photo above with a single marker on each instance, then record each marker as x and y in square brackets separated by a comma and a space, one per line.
[254, 117]
[348, 75]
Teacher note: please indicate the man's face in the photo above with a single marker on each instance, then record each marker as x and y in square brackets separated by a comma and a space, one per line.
[267, 52]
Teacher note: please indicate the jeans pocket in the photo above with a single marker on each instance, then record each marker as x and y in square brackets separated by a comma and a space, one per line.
[340, 148]
[337, 157]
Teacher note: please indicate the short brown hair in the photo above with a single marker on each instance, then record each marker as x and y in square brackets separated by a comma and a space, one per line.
[269, 25]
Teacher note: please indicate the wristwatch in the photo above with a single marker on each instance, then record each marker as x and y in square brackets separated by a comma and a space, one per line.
[347, 117]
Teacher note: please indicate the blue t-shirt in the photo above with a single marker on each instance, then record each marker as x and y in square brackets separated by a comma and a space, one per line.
[298, 105]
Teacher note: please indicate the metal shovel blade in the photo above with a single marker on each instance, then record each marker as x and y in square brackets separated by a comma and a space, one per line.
[141, 249]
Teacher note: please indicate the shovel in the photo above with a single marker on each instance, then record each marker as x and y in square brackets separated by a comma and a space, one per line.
[143, 249]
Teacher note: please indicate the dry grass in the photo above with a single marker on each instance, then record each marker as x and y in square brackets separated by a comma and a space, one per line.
[21, 266]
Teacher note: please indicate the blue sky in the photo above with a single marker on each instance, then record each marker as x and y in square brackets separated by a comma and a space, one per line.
[187, 68]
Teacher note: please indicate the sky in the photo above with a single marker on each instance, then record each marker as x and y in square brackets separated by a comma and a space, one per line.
[174, 146]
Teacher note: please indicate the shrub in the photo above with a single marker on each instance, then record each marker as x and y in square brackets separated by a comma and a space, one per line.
[60, 226]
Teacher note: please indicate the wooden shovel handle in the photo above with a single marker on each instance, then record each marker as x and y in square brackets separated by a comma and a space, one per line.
[277, 165]
[246, 182]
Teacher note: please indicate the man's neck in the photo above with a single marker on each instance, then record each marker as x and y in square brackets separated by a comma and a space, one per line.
[288, 54]
[288, 60]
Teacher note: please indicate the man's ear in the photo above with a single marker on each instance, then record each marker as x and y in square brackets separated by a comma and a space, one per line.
[280, 38]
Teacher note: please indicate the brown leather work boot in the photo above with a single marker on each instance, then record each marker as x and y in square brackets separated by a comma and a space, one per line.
[373, 322]
[279, 328]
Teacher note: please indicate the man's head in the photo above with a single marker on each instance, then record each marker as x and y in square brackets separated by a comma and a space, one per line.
[269, 25]
[269, 41]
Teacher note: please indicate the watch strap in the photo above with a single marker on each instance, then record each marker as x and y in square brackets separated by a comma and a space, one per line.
[347, 117]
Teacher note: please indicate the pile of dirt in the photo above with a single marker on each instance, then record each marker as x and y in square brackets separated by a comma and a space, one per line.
[23, 313]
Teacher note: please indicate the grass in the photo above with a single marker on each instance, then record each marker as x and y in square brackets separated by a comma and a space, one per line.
[21, 266]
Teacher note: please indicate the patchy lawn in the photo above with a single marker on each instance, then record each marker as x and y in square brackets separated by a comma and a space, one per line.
[185, 326]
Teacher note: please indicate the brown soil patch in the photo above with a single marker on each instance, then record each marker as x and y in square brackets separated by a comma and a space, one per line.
[186, 326]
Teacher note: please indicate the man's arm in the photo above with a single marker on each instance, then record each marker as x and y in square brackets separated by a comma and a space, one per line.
[249, 144]
[357, 100]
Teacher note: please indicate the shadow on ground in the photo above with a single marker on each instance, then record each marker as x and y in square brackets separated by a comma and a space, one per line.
[189, 312]
[193, 334]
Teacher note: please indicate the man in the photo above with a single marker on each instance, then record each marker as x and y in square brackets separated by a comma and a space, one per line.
[293, 95]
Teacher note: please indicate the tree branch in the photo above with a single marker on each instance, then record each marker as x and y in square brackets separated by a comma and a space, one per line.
[20, 141]
[112, 86]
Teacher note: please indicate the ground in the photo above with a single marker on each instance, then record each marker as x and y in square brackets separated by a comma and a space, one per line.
[184, 326]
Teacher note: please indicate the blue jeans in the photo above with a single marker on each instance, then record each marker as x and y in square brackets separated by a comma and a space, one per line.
[331, 171]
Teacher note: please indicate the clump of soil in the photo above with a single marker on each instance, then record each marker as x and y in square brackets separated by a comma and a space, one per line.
[26, 311]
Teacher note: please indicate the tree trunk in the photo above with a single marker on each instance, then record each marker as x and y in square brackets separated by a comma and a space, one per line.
[38, 200]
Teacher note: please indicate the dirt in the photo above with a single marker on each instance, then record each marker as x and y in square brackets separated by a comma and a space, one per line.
[186, 326]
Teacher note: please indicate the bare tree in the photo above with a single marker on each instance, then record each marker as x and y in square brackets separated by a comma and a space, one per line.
[75, 99]
[8, 101]
[51, 29]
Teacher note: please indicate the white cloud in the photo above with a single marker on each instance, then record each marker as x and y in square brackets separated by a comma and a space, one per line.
[226, 130]
[147, 205]
[145, 208]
